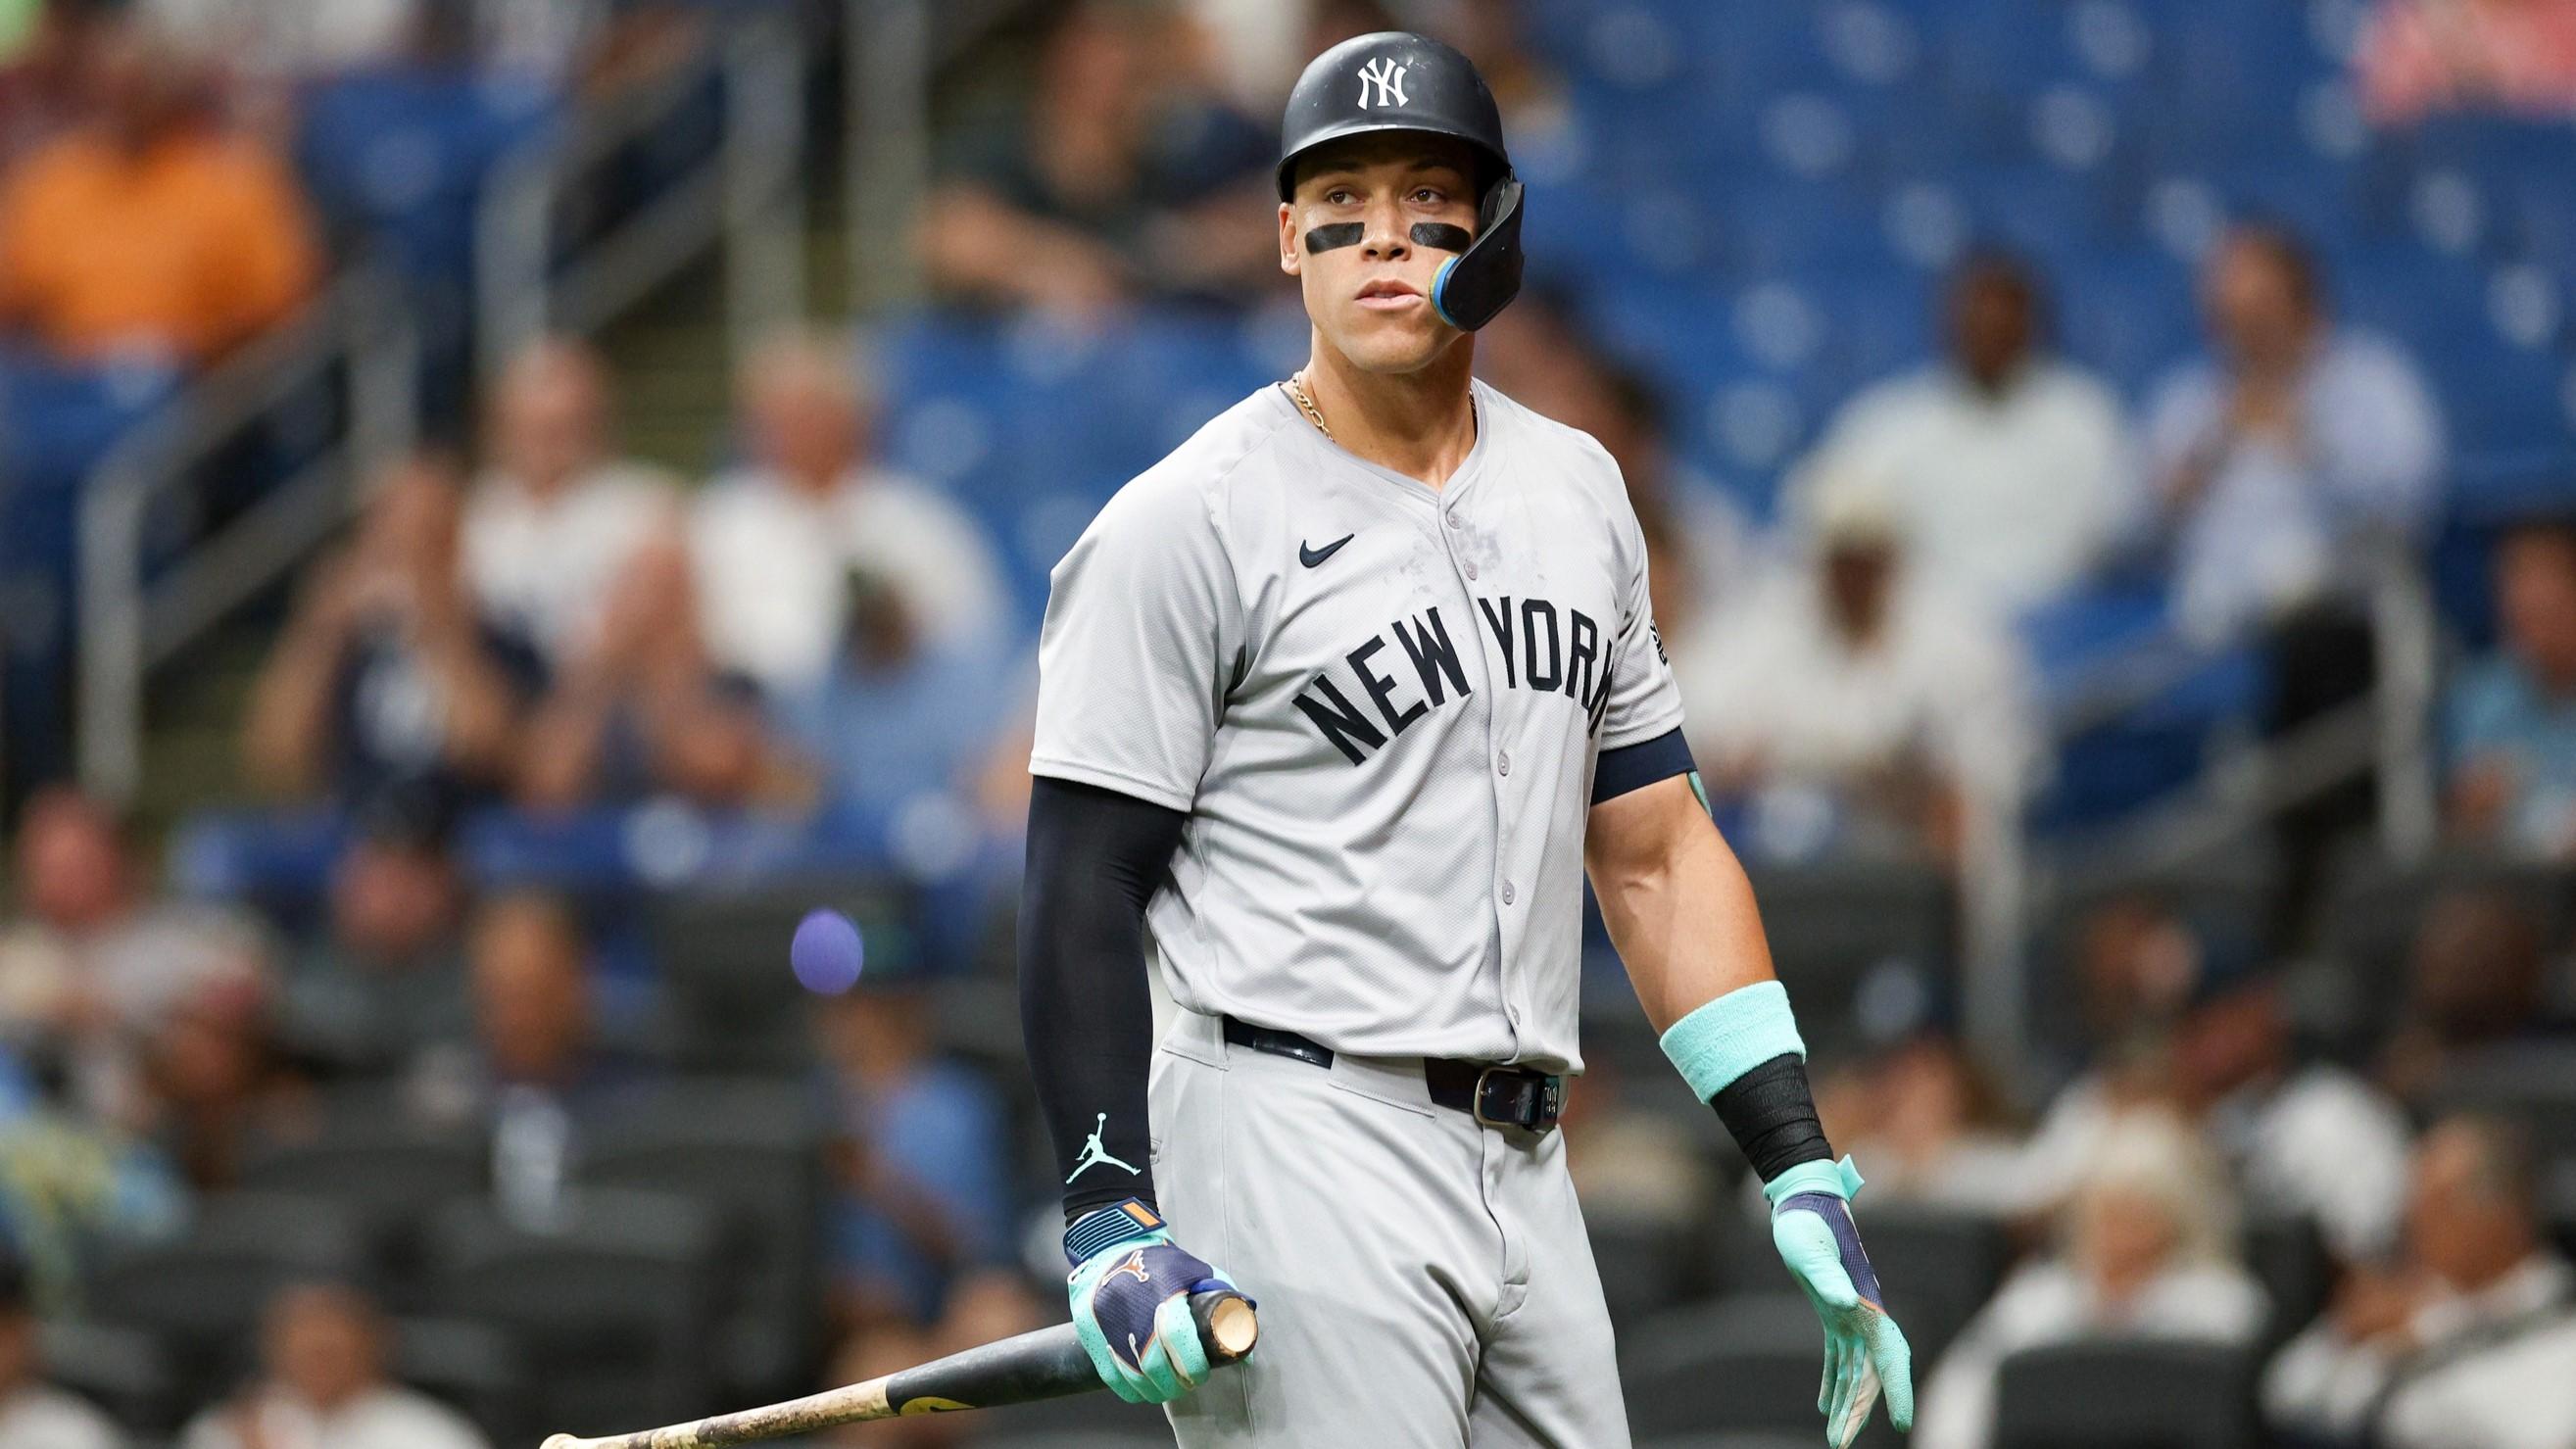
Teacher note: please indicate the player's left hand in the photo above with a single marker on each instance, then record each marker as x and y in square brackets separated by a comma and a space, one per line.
[1865, 1352]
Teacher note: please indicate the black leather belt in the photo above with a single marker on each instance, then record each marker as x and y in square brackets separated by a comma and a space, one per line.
[1496, 1096]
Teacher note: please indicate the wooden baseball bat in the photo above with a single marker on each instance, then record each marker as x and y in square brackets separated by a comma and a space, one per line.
[1046, 1364]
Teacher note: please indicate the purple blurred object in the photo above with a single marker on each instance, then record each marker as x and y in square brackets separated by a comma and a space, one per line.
[827, 952]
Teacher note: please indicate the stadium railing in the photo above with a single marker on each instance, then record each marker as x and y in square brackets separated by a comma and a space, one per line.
[744, 197]
[138, 614]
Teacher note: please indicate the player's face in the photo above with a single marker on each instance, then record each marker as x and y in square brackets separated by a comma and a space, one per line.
[1371, 223]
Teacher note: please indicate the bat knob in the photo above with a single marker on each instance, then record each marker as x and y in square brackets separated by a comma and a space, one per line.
[561, 1441]
[1227, 1325]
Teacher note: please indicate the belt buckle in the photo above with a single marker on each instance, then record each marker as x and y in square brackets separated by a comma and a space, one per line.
[1550, 1104]
[1476, 1103]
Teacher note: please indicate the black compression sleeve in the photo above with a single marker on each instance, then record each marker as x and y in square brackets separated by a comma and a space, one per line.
[1095, 857]
[1772, 1115]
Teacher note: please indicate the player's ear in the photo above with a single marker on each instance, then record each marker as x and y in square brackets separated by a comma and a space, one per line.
[1288, 259]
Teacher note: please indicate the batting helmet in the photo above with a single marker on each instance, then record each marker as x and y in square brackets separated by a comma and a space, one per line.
[1396, 81]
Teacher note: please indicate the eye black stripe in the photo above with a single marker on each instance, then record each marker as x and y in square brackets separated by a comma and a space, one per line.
[1441, 236]
[1335, 236]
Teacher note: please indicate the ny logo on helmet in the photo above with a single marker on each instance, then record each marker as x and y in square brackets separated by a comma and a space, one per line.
[1382, 84]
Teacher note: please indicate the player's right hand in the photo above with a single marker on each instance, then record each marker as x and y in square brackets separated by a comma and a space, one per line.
[1131, 1303]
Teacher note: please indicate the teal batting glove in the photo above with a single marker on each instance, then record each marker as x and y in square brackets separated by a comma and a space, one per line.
[1865, 1352]
[1131, 1290]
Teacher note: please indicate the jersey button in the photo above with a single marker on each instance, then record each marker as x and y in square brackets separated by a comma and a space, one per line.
[1507, 893]
[1471, 571]
[1456, 522]
[1503, 763]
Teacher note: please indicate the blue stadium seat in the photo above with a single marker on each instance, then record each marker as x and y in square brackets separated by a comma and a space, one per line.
[1778, 224]
[401, 155]
[2044, 212]
[2129, 313]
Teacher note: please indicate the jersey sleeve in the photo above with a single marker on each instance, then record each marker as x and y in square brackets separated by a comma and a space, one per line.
[1644, 701]
[1143, 626]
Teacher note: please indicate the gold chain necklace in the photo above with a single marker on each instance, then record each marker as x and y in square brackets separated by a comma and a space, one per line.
[1306, 405]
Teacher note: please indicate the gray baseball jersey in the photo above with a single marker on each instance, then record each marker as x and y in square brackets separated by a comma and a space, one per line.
[1380, 705]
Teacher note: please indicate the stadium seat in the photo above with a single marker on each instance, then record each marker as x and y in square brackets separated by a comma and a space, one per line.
[1938, 1267]
[2225, 895]
[475, 1368]
[202, 1296]
[1839, 929]
[1741, 1362]
[2532, 1083]
[609, 1305]
[729, 1001]
[2288, 1256]
[380, 1164]
[2372, 907]
[125, 1371]
[752, 1152]
[401, 155]
[1645, 1266]
[2126, 1395]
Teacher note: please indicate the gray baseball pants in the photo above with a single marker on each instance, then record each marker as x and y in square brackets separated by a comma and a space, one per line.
[1425, 1281]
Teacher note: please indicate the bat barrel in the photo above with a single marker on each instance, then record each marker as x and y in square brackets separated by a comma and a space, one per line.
[1046, 1364]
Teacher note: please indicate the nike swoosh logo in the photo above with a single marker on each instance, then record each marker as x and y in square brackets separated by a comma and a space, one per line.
[1309, 555]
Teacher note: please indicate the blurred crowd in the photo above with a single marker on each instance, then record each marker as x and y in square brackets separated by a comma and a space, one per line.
[151, 205]
[531, 625]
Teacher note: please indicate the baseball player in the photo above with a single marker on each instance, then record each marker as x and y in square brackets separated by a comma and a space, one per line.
[1338, 705]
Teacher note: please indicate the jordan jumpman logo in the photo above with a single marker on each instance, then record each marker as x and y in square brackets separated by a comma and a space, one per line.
[1093, 1154]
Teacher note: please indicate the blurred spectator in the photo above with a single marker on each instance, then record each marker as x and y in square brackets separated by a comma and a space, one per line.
[323, 1386]
[2187, 1017]
[2137, 963]
[776, 540]
[387, 977]
[1126, 174]
[94, 964]
[2146, 1250]
[1883, 707]
[926, 1189]
[2512, 715]
[2139, 966]
[556, 515]
[594, 45]
[2280, 466]
[2303, 1138]
[2467, 1340]
[34, 1414]
[216, 1077]
[2009, 470]
[642, 711]
[40, 71]
[898, 717]
[74, 1189]
[148, 230]
[385, 681]
[2421, 56]
[1933, 1127]
[290, 39]
[2292, 444]
[2477, 977]
[534, 1070]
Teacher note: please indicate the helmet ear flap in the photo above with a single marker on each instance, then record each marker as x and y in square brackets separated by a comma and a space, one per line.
[1479, 282]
